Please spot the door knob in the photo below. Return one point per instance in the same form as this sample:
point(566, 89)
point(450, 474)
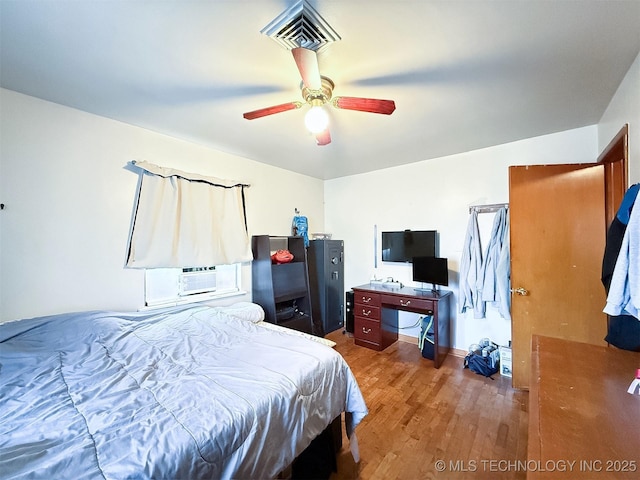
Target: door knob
point(520, 291)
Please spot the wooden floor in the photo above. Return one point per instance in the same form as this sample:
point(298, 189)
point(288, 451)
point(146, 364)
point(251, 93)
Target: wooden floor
point(426, 423)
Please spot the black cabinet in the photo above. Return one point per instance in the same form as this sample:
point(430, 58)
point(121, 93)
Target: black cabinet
point(282, 290)
point(326, 279)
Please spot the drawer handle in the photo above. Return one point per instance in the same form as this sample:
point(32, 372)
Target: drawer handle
point(367, 313)
point(366, 299)
point(366, 330)
point(405, 304)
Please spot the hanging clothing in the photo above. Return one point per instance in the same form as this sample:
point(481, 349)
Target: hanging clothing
point(615, 234)
point(486, 278)
point(623, 329)
point(624, 290)
point(489, 280)
point(300, 228)
point(471, 270)
point(503, 276)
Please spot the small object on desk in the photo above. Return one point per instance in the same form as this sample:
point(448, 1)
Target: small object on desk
point(391, 283)
point(635, 385)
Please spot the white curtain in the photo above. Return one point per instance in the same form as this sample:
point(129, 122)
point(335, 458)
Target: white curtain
point(187, 220)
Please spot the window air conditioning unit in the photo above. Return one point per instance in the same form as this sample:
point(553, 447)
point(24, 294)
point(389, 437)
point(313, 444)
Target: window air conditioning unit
point(197, 282)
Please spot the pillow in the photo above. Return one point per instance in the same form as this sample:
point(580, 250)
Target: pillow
point(248, 311)
point(254, 313)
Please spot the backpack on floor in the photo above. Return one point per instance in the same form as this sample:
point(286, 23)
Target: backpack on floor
point(486, 366)
point(483, 358)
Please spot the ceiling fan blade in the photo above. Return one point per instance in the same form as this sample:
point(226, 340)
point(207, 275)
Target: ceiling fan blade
point(323, 138)
point(263, 112)
point(371, 105)
point(307, 62)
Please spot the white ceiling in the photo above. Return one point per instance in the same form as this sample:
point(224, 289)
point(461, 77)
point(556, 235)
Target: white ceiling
point(464, 74)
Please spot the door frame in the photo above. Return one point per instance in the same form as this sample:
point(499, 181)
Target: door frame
point(615, 158)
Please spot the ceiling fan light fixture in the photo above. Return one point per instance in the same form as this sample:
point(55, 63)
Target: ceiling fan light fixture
point(316, 119)
point(316, 89)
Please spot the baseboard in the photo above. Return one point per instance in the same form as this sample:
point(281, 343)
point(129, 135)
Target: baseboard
point(456, 352)
point(408, 339)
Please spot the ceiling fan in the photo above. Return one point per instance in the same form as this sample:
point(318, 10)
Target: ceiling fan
point(317, 91)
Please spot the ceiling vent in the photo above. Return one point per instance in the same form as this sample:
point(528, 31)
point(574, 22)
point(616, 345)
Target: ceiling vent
point(301, 26)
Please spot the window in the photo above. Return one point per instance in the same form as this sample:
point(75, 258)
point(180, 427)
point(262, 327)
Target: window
point(175, 286)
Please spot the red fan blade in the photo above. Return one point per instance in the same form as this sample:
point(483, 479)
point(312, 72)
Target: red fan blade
point(323, 138)
point(371, 105)
point(263, 112)
point(307, 62)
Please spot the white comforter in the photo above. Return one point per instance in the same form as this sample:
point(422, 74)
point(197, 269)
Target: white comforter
point(184, 394)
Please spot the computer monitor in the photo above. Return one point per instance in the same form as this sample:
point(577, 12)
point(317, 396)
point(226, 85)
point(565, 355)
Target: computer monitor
point(433, 270)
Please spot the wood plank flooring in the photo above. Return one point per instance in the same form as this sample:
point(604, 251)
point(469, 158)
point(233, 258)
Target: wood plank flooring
point(426, 423)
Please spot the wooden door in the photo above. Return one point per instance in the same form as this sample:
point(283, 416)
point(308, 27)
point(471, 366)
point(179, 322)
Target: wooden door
point(557, 245)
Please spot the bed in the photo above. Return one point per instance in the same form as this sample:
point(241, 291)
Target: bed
point(183, 393)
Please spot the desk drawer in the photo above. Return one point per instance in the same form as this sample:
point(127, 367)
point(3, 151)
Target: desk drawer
point(366, 311)
point(407, 302)
point(366, 298)
point(367, 331)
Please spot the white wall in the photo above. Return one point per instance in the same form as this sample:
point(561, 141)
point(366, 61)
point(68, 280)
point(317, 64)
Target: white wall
point(436, 194)
point(624, 108)
point(61, 168)
point(68, 203)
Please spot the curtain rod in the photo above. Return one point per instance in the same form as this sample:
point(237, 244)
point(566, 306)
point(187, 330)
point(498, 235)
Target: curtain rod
point(196, 177)
point(488, 208)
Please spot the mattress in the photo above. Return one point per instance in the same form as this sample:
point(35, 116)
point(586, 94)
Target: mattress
point(191, 392)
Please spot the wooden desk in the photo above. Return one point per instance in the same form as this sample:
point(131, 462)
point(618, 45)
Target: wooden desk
point(579, 410)
point(376, 316)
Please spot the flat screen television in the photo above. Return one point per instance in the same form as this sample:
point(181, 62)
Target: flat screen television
point(402, 246)
point(431, 270)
